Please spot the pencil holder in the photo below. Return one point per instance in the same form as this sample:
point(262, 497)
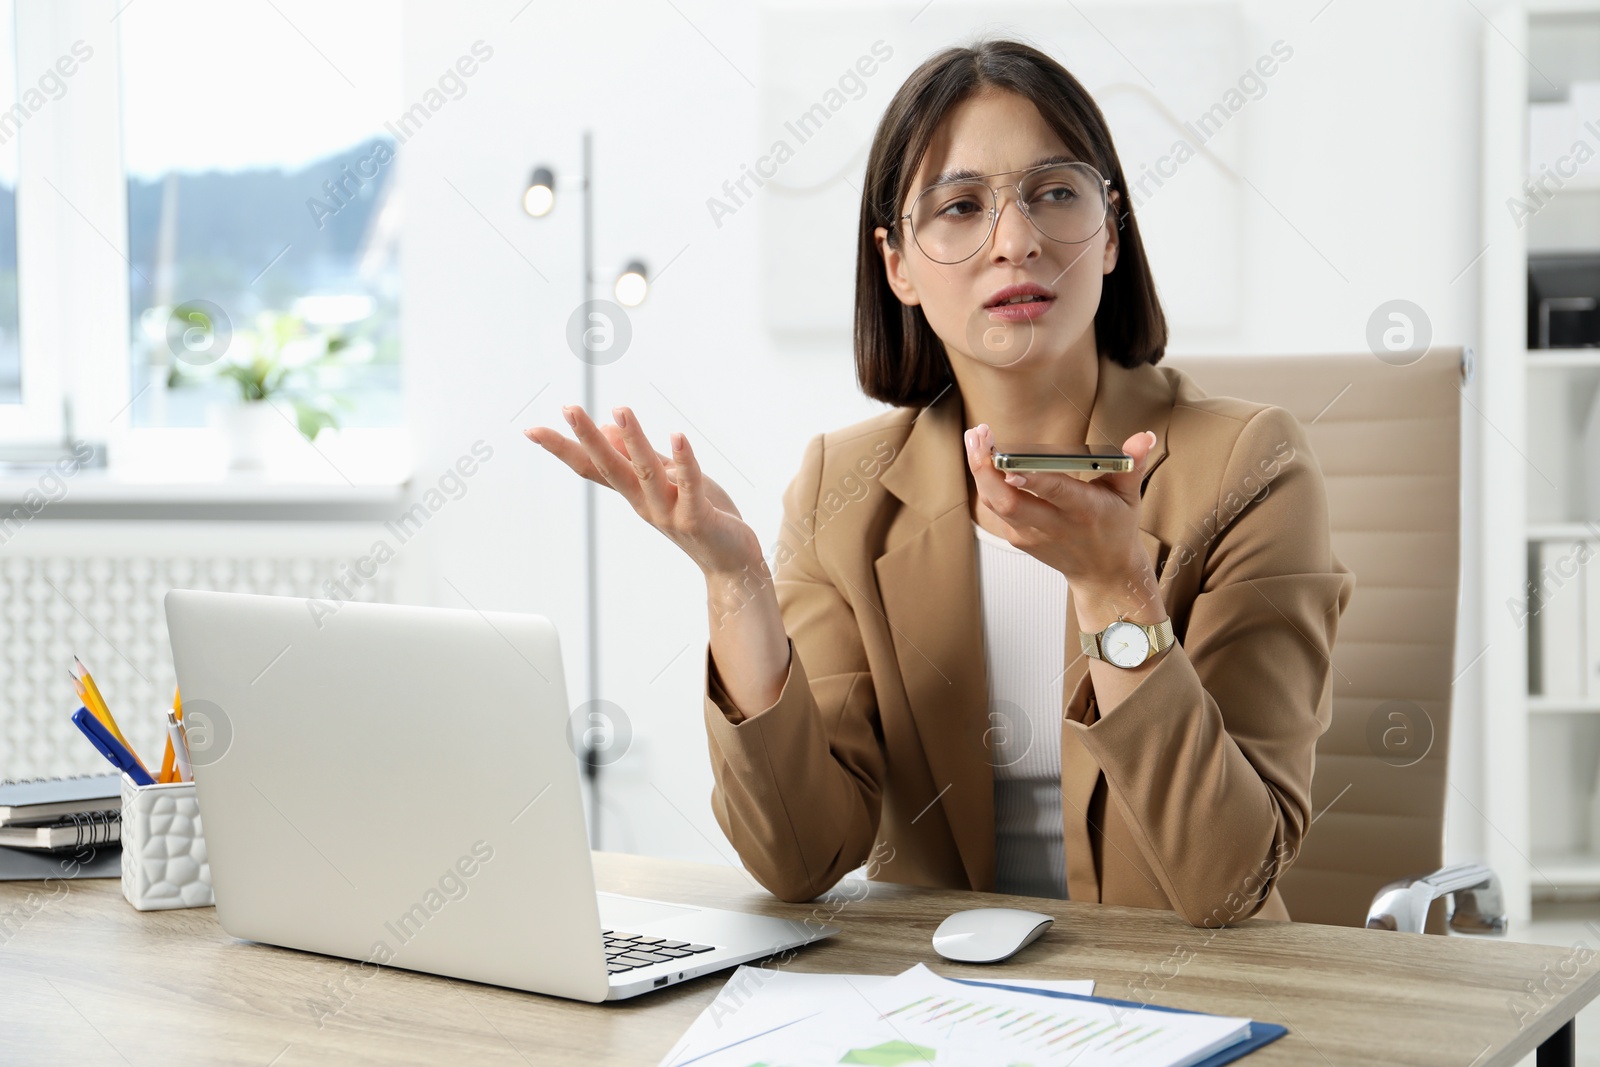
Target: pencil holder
point(164, 862)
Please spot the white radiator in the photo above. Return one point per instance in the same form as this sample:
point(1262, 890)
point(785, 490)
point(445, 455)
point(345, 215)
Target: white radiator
point(94, 589)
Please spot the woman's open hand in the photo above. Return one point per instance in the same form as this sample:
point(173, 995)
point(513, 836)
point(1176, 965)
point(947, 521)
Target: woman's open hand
point(1088, 529)
point(671, 493)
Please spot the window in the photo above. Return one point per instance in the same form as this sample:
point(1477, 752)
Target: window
point(261, 196)
point(10, 349)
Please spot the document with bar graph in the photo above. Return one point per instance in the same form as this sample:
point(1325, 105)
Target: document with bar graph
point(921, 1018)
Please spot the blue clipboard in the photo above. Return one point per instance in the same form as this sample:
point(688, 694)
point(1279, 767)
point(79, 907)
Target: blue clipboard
point(1260, 1033)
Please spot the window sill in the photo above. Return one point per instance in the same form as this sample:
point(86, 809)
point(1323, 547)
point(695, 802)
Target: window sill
point(369, 466)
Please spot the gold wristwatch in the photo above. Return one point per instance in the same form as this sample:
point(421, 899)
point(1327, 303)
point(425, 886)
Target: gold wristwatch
point(1127, 644)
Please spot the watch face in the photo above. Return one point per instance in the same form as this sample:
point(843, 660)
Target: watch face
point(1125, 644)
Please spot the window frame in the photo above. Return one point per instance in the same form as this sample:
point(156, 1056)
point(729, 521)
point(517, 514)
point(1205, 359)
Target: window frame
point(73, 260)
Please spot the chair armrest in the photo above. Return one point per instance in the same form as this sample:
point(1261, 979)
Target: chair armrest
point(1478, 907)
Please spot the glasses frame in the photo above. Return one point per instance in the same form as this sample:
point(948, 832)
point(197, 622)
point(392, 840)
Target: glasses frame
point(994, 205)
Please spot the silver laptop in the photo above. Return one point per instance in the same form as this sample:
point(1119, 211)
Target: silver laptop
point(395, 785)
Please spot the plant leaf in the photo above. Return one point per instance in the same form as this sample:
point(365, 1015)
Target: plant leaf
point(313, 419)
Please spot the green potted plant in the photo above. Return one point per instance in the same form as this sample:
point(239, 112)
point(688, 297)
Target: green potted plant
point(277, 359)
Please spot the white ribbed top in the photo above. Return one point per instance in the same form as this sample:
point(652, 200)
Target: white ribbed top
point(1024, 639)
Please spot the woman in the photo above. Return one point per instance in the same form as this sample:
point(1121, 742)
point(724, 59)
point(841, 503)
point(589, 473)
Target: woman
point(923, 676)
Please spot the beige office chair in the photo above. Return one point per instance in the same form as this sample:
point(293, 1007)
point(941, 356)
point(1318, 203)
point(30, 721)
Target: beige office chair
point(1388, 439)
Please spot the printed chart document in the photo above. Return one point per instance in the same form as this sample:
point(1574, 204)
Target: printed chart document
point(757, 999)
point(919, 1017)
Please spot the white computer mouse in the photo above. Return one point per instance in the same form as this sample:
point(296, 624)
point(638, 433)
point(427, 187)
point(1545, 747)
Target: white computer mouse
point(988, 935)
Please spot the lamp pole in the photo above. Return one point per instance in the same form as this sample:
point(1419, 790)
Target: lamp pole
point(591, 547)
point(538, 200)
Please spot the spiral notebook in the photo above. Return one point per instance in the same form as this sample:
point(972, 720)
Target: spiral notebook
point(72, 831)
point(42, 800)
point(25, 801)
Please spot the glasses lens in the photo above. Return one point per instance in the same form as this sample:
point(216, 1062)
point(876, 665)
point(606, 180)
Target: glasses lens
point(951, 220)
point(1067, 202)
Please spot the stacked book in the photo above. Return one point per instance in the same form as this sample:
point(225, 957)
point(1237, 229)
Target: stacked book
point(61, 814)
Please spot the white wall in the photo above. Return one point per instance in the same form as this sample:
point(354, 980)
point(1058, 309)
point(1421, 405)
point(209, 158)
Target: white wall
point(1361, 165)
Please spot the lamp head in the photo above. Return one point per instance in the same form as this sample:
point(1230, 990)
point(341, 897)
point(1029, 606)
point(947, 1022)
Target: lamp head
point(633, 284)
point(540, 196)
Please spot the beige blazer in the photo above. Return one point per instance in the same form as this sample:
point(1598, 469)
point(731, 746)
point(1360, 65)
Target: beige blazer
point(1194, 794)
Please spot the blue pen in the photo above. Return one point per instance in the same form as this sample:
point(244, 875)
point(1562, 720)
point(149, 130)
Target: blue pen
point(110, 747)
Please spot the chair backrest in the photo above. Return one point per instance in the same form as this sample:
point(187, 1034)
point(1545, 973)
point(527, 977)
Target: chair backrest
point(1388, 439)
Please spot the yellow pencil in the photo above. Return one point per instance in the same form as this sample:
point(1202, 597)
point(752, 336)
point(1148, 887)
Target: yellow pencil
point(90, 701)
point(97, 705)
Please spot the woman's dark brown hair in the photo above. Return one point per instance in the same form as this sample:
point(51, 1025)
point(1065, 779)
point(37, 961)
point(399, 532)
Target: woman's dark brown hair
point(899, 359)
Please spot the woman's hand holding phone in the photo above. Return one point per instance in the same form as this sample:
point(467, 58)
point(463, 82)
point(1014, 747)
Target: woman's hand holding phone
point(1086, 528)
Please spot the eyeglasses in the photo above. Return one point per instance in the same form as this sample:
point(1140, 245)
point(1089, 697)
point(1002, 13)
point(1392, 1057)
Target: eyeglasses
point(951, 221)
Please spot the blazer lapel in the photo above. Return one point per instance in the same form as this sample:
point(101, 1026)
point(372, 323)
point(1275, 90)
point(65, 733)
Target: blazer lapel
point(928, 585)
point(928, 582)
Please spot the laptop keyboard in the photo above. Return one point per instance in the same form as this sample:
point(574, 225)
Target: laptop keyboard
point(627, 952)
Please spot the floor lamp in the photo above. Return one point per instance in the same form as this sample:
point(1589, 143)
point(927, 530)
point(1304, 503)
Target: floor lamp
point(632, 283)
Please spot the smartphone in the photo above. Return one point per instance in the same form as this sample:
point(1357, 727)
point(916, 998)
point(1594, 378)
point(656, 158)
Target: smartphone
point(1061, 458)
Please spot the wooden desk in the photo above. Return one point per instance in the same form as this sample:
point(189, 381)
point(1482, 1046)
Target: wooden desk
point(87, 980)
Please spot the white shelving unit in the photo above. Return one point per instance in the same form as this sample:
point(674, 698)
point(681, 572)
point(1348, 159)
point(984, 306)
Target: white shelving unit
point(1542, 753)
point(1564, 359)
